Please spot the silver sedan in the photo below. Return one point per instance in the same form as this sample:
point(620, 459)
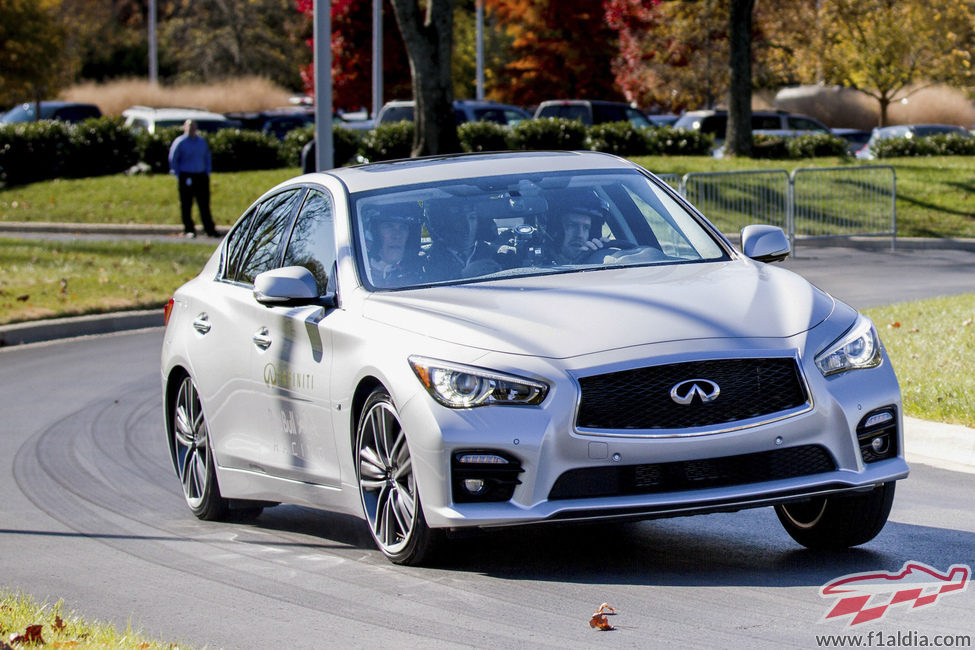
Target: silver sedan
point(498, 339)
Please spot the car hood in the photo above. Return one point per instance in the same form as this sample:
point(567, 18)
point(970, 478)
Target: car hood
point(571, 314)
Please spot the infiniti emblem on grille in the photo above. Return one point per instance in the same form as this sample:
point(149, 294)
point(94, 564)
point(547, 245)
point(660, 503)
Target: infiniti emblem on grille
point(685, 392)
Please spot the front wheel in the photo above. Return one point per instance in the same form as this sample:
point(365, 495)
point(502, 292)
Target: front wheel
point(837, 522)
point(387, 486)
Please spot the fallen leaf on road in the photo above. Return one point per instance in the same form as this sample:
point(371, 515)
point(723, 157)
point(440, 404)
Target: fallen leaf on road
point(598, 620)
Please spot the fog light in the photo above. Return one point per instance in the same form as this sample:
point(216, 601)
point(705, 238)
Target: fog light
point(474, 485)
point(877, 419)
point(879, 444)
point(481, 459)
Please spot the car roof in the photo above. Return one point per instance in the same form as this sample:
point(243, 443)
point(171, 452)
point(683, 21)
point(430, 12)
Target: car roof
point(594, 102)
point(363, 178)
point(172, 112)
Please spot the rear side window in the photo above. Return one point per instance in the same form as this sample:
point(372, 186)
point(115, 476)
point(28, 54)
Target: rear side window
point(601, 114)
point(716, 125)
point(804, 124)
point(259, 252)
point(312, 242)
point(766, 122)
point(567, 112)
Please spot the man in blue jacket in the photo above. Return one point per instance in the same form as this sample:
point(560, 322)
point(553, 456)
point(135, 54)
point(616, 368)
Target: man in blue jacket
point(189, 161)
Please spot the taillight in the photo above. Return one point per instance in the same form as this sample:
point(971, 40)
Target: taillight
point(168, 311)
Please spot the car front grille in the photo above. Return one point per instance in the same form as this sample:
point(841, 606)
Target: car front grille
point(590, 482)
point(641, 398)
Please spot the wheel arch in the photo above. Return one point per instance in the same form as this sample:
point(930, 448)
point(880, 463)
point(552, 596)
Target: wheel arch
point(176, 376)
point(363, 390)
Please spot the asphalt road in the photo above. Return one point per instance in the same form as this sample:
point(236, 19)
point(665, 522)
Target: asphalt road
point(870, 277)
point(92, 513)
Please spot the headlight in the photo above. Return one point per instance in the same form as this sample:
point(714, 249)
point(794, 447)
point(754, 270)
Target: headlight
point(858, 348)
point(458, 386)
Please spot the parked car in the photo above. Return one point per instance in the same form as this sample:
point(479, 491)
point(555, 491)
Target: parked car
point(598, 351)
point(465, 110)
point(668, 119)
point(867, 152)
point(151, 119)
point(71, 112)
point(592, 111)
point(277, 122)
point(715, 122)
point(855, 137)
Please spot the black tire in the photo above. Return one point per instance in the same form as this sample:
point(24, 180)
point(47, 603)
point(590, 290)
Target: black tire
point(838, 522)
point(193, 457)
point(387, 487)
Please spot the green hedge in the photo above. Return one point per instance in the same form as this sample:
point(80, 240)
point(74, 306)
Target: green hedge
point(43, 150)
point(814, 145)
point(944, 144)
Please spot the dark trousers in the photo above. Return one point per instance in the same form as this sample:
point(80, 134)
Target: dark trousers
point(195, 186)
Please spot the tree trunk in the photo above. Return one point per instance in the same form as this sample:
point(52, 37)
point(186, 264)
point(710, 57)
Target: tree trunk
point(428, 41)
point(738, 138)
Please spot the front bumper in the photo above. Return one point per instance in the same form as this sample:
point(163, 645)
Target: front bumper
point(563, 473)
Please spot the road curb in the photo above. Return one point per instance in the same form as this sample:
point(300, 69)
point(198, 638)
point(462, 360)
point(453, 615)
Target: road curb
point(75, 326)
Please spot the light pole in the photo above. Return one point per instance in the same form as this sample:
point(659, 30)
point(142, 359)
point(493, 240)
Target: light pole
point(323, 85)
point(377, 57)
point(480, 48)
point(153, 53)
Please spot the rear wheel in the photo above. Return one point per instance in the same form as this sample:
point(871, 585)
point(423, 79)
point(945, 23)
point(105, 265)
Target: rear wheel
point(837, 522)
point(194, 460)
point(387, 486)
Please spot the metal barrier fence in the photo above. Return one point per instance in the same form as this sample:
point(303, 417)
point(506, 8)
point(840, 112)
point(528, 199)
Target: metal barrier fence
point(811, 203)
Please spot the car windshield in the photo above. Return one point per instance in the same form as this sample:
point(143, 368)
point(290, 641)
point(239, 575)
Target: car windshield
point(497, 227)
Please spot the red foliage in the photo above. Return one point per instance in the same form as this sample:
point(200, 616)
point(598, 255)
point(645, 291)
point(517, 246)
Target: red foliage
point(352, 54)
point(560, 50)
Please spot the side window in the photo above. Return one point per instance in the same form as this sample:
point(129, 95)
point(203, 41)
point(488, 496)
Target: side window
point(803, 124)
point(259, 253)
point(716, 125)
point(312, 242)
point(235, 245)
point(766, 122)
point(601, 114)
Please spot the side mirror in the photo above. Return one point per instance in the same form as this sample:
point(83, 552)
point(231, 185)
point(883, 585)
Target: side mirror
point(765, 243)
point(289, 286)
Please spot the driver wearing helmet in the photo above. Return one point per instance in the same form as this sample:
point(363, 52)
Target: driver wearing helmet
point(393, 244)
point(573, 225)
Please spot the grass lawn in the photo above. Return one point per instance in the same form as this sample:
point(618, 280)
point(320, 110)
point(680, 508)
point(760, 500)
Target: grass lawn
point(934, 195)
point(25, 623)
point(932, 346)
point(44, 279)
point(121, 199)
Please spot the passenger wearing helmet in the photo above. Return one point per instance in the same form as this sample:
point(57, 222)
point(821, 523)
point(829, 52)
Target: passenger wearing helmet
point(393, 245)
point(461, 246)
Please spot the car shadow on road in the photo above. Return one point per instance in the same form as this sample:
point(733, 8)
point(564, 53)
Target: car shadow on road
point(740, 549)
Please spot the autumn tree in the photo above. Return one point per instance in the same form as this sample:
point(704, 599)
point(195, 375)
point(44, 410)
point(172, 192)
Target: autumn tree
point(428, 35)
point(33, 61)
point(215, 39)
point(497, 54)
point(672, 56)
point(558, 50)
point(889, 49)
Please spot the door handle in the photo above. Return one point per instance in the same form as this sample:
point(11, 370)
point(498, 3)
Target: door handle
point(262, 338)
point(202, 323)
